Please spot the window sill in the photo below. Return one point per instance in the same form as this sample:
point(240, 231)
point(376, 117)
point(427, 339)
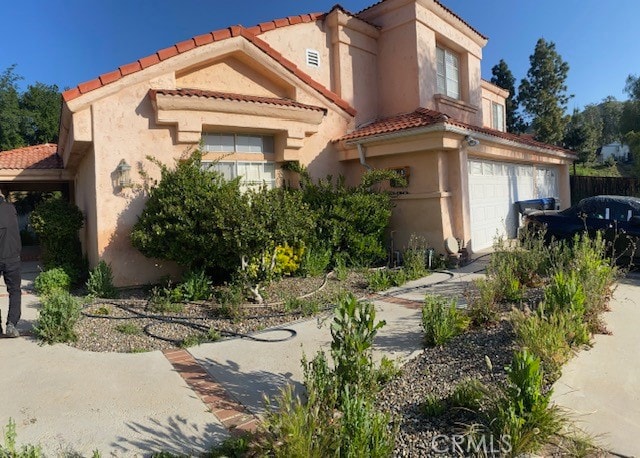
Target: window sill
point(442, 99)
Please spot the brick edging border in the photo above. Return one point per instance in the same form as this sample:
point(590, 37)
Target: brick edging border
point(232, 414)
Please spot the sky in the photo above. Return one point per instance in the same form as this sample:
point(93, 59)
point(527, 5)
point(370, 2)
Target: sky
point(67, 42)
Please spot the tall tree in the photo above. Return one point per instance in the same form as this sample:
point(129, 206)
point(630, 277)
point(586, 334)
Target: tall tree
point(40, 106)
point(502, 77)
point(543, 93)
point(582, 137)
point(632, 87)
point(611, 111)
point(10, 113)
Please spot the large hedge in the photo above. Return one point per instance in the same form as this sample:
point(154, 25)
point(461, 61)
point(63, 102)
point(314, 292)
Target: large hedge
point(199, 220)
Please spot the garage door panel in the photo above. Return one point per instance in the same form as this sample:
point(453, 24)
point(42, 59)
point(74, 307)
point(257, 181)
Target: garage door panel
point(494, 187)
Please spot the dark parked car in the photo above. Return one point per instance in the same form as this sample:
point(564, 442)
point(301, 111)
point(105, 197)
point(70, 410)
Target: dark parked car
point(618, 217)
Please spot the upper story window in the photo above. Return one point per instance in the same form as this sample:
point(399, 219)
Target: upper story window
point(497, 116)
point(448, 69)
point(237, 143)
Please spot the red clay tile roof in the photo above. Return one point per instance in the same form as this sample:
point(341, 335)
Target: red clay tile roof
point(424, 117)
point(439, 4)
point(31, 157)
point(249, 34)
point(232, 97)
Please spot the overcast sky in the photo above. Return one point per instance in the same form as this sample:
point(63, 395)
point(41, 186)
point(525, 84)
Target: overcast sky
point(66, 42)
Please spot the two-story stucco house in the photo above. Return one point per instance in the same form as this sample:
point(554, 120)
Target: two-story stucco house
point(397, 85)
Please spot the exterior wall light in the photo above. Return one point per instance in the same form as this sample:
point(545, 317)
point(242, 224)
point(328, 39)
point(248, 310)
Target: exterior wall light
point(123, 177)
point(471, 141)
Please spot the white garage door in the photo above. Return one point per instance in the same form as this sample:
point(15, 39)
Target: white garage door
point(494, 187)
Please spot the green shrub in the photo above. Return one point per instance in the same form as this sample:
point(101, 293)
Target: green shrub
point(305, 306)
point(414, 258)
point(398, 277)
point(433, 406)
point(523, 411)
point(56, 221)
point(233, 447)
point(340, 268)
point(441, 320)
point(378, 280)
point(129, 329)
point(482, 306)
point(387, 370)
point(565, 294)
point(349, 220)
point(468, 394)
point(100, 282)
point(364, 430)
point(353, 330)
point(59, 313)
point(52, 280)
point(11, 449)
point(166, 298)
point(315, 261)
point(338, 417)
point(196, 286)
point(550, 337)
point(200, 220)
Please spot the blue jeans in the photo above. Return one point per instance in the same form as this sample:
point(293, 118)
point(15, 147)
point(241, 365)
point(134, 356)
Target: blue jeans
point(10, 270)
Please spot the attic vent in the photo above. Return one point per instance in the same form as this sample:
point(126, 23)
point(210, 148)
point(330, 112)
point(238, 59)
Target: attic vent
point(313, 58)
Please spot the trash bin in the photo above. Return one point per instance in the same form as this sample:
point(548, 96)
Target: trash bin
point(525, 206)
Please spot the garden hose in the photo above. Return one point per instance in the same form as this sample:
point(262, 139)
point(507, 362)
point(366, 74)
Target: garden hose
point(189, 322)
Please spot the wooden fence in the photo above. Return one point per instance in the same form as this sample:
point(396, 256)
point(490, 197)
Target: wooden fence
point(583, 186)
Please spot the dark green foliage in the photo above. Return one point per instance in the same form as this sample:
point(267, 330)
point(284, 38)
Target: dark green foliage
point(236, 446)
point(10, 113)
point(502, 77)
point(100, 282)
point(351, 221)
point(189, 217)
point(59, 313)
point(582, 137)
point(543, 93)
point(196, 286)
point(201, 221)
point(52, 280)
point(56, 221)
point(40, 106)
point(27, 118)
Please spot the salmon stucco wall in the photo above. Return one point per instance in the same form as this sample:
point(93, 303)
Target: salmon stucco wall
point(85, 199)
point(125, 127)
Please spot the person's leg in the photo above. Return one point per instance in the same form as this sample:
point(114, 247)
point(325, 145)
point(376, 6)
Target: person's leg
point(12, 278)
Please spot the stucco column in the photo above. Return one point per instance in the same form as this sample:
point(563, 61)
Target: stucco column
point(564, 186)
point(459, 188)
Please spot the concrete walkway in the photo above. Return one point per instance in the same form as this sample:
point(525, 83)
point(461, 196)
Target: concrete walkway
point(601, 387)
point(132, 404)
point(71, 401)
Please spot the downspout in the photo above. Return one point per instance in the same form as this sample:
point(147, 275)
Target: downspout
point(363, 160)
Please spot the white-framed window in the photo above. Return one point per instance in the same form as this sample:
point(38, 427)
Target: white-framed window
point(253, 174)
point(237, 143)
point(497, 116)
point(448, 72)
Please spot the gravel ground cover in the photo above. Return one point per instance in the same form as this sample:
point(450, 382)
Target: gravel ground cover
point(436, 372)
point(130, 324)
